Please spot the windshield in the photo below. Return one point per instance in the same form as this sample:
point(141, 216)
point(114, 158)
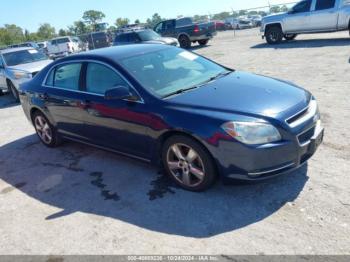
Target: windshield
point(168, 71)
point(23, 57)
point(148, 35)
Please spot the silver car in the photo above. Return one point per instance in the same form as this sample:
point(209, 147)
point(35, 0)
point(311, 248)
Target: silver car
point(18, 65)
point(307, 16)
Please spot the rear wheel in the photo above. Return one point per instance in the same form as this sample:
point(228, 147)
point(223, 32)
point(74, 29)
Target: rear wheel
point(274, 35)
point(13, 91)
point(290, 37)
point(45, 130)
point(185, 42)
point(188, 164)
point(203, 42)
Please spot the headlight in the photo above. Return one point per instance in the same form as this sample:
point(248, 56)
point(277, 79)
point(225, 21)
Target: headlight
point(252, 133)
point(18, 74)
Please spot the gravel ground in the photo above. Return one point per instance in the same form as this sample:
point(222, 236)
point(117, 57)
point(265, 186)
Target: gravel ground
point(80, 200)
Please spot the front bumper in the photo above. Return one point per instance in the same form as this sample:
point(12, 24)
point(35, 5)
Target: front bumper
point(266, 161)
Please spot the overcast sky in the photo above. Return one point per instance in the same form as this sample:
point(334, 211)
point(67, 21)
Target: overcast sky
point(30, 13)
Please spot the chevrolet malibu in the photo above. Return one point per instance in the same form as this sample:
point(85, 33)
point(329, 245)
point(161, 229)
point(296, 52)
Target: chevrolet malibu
point(167, 106)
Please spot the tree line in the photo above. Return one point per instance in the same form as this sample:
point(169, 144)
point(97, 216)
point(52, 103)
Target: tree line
point(91, 21)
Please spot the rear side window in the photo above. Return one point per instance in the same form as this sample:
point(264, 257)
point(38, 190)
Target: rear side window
point(63, 40)
point(65, 76)
point(324, 4)
point(183, 22)
point(100, 78)
point(303, 6)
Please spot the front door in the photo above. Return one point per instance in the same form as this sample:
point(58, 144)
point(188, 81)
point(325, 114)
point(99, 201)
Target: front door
point(298, 18)
point(117, 124)
point(324, 16)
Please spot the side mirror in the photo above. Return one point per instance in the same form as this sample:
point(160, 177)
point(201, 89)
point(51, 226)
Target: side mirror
point(119, 93)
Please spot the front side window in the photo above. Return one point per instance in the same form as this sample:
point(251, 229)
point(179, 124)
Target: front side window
point(24, 57)
point(324, 4)
point(169, 70)
point(100, 78)
point(65, 76)
point(303, 6)
point(159, 27)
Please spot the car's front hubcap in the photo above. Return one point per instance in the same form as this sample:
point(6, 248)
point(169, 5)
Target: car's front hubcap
point(185, 165)
point(43, 129)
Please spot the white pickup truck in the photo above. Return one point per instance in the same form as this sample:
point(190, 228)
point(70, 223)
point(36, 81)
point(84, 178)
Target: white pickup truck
point(63, 46)
point(307, 16)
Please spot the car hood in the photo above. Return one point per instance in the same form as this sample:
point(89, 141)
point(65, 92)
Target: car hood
point(274, 17)
point(163, 40)
point(31, 67)
point(248, 94)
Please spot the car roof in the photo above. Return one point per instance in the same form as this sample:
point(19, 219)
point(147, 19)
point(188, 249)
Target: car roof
point(11, 50)
point(116, 53)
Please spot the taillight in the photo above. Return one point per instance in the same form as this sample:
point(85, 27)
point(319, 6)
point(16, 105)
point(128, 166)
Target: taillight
point(196, 29)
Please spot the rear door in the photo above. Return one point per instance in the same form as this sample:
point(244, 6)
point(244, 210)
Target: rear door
point(298, 20)
point(117, 124)
point(62, 98)
point(324, 15)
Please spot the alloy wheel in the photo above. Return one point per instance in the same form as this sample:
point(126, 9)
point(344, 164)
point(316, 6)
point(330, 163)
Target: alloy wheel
point(185, 165)
point(43, 129)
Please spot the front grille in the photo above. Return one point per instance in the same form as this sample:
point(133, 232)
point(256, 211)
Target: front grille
point(297, 116)
point(306, 136)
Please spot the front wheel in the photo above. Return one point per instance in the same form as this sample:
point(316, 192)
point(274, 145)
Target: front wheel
point(45, 130)
point(13, 91)
point(203, 42)
point(274, 35)
point(290, 37)
point(188, 164)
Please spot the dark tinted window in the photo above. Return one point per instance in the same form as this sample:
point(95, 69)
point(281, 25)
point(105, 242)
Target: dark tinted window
point(325, 4)
point(24, 57)
point(183, 22)
point(303, 6)
point(62, 40)
point(66, 76)
point(169, 24)
point(127, 37)
point(100, 78)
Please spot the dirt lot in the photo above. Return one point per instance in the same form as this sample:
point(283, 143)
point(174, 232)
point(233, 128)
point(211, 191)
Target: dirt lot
point(80, 200)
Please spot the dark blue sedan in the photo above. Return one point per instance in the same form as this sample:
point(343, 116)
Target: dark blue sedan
point(171, 107)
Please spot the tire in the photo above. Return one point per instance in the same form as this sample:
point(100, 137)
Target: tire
point(274, 35)
point(203, 42)
point(188, 164)
point(45, 130)
point(185, 42)
point(13, 91)
point(290, 37)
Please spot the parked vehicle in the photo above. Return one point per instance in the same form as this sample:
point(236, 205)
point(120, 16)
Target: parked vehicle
point(19, 65)
point(43, 47)
point(307, 16)
point(186, 31)
point(220, 25)
point(63, 46)
point(163, 104)
point(239, 23)
point(98, 40)
point(256, 20)
point(26, 44)
point(142, 36)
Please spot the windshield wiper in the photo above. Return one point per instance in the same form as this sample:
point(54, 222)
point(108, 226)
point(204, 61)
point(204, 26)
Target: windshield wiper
point(180, 91)
point(222, 74)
